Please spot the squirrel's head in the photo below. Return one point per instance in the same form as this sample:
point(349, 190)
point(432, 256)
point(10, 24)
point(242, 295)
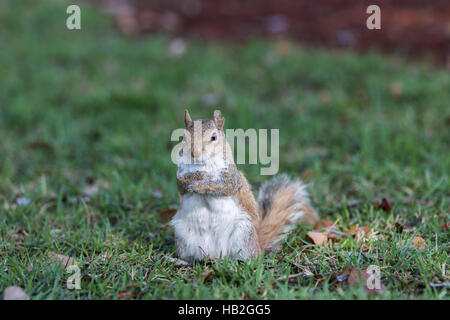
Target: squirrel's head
point(205, 139)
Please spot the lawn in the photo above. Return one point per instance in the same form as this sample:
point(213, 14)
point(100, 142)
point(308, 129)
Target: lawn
point(85, 123)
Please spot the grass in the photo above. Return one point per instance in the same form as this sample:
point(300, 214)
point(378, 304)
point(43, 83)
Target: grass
point(95, 108)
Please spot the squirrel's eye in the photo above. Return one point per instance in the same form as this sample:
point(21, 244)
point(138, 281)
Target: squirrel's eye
point(214, 137)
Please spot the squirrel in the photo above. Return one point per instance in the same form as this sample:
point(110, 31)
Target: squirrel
point(218, 214)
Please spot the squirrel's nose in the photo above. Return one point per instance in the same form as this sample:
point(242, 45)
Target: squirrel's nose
point(196, 153)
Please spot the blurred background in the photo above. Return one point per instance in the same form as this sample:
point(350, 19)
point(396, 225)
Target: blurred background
point(362, 112)
point(412, 27)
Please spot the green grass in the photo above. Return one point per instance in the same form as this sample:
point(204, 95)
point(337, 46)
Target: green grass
point(96, 107)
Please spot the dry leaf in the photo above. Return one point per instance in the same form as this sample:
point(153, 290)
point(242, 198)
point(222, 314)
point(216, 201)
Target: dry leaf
point(419, 243)
point(15, 293)
point(330, 229)
point(167, 213)
point(352, 229)
point(416, 242)
point(66, 261)
point(325, 224)
point(384, 204)
point(318, 237)
point(367, 279)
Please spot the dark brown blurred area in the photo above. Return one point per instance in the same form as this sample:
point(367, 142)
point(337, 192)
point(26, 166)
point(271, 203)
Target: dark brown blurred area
point(415, 27)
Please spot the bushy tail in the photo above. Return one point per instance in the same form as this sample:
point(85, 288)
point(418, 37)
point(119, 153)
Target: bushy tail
point(283, 203)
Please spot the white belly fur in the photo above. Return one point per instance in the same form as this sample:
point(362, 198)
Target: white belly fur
point(212, 226)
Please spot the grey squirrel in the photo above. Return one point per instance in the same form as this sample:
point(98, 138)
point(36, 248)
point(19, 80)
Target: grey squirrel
point(218, 215)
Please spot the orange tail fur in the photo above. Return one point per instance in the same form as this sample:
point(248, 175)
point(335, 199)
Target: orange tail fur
point(283, 203)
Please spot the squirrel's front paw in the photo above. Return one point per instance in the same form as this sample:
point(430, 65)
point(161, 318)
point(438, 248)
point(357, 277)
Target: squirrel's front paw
point(198, 186)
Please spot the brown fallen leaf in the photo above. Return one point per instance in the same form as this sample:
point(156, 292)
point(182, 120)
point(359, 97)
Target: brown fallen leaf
point(167, 213)
point(318, 237)
point(362, 233)
point(385, 204)
point(330, 228)
point(419, 243)
point(66, 261)
point(352, 229)
point(15, 293)
point(325, 224)
point(367, 279)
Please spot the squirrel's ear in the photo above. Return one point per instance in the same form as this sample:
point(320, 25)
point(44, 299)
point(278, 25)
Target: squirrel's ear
point(187, 118)
point(218, 120)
